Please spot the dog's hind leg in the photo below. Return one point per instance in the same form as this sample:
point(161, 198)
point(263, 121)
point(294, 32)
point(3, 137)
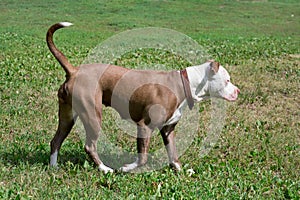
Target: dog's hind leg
point(66, 122)
point(92, 124)
point(168, 135)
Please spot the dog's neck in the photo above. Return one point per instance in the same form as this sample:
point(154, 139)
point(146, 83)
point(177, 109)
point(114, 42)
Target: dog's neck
point(199, 88)
point(198, 81)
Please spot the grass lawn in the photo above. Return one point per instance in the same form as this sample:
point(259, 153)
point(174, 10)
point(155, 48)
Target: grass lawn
point(257, 155)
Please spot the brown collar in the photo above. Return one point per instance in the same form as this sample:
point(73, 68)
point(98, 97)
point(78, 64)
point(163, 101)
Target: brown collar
point(186, 87)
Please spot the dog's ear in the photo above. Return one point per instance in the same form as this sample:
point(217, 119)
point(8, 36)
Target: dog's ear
point(215, 67)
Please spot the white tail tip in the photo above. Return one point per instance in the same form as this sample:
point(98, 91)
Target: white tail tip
point(65, 24)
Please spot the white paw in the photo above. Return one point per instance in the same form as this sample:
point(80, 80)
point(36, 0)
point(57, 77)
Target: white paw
point(176, 165)
point(129, 167)
point(53, 159)
point(105, 169)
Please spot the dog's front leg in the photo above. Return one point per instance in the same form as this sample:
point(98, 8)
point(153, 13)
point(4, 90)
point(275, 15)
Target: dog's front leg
point(168, 135)
point(143, 144)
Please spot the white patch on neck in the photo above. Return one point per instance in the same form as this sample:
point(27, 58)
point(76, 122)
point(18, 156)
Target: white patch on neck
point(177, 114)
point(198, 81)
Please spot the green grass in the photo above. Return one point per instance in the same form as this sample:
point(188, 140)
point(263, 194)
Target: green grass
point(257, 155)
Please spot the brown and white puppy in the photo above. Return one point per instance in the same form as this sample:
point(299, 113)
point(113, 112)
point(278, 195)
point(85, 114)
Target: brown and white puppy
point(152, 99)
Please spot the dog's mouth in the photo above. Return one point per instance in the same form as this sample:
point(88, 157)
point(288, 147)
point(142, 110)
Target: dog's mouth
point(233, 96)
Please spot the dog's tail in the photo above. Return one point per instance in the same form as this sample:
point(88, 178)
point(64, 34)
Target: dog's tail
point(68, 67)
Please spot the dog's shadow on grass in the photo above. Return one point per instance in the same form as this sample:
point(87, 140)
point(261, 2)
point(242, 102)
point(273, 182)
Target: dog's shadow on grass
point(39, 156)
point(17, 156)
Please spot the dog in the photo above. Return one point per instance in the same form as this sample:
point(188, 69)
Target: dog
point(151, 99)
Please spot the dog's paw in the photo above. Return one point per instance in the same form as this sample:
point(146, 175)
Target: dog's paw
point(129, 167)
point(176, 166)
point(105, 169)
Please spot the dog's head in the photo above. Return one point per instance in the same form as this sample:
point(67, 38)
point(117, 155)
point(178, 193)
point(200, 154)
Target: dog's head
point(219, 83)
